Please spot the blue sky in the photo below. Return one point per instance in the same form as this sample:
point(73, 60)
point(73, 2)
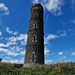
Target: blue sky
point(59, 29)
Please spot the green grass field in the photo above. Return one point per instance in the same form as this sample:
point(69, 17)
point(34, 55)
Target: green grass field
point(53, 69)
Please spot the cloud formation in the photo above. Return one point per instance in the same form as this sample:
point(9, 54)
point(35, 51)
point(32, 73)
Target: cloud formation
point(49, 37)
point(9, 60)
point(46, 51)
point(60, 53)
point(4, 9)
point(73, 5)
point(59, 34)
point(21, 37)
point(8, 52)
point(73, 21)
point(48, 61)
point(35, 1)
point(53, 6)
point(73, 53)
point(0, 33)
point(62, 33)
point(11, 32)
point(7, 44)
point(13, 45)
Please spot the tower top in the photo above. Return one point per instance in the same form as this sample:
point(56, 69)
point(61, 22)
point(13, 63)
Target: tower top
point(37, 7)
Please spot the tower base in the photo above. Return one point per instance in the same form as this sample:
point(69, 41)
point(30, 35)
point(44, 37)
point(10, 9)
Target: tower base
point(28, 65)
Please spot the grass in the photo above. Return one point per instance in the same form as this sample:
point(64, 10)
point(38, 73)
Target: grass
point(53, 69)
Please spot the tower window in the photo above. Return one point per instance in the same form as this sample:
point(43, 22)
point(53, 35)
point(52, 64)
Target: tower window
point(35, 25)
point(35, 13)
point(34, 39)
point(33, 57)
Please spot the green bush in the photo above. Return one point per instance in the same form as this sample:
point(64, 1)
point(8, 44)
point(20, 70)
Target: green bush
point(54, 69)
point(0, 59)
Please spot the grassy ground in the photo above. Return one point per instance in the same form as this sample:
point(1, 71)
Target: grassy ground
point(53, 69)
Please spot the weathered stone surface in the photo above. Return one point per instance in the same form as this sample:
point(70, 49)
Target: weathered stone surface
point(35, 41)
point(28, 65)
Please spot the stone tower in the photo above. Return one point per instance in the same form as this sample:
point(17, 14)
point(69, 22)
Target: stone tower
point(35, 41)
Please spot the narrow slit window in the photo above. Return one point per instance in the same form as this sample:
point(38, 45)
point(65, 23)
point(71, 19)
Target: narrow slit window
point(35, 25)
point(33, 57)
point(34, 39)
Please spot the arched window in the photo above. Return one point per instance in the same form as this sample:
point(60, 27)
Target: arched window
point(33, 57)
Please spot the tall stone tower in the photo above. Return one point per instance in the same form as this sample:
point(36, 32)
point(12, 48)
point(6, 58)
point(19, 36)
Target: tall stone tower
point(35, 42)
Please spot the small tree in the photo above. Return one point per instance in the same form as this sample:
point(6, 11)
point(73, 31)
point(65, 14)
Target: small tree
point(0, 59)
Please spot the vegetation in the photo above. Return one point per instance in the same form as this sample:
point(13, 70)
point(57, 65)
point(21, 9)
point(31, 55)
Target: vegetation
point(53, 69)
point(0, 59)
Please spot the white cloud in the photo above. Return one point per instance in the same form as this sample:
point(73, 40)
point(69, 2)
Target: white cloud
point(3, 45)
point(11, 61)
point(11, 32)
point(35, 1)
point(11, 43)
point(7, 57)
point(46, 51)
point(73, 1)
point(8, 44)
point(64, 57)
point(49, 37)
point(0, 33)
point(48, 61)
point(22, 60)
point(73, 5)
point(73, 21)
point(73, 53)
point(4, 8)
point(22, 38)
point(8, 30)
point(12, 53)
point(53, 6)
point(60, 53)
point(10, 47)
point(8, 52)
point(15, 33)
point(15, 48)
point(64, 33)
point(12, 38)
point(22, 52)
point(14, 61)
point(3, 50)
point(8, 60)
point(61, 33)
